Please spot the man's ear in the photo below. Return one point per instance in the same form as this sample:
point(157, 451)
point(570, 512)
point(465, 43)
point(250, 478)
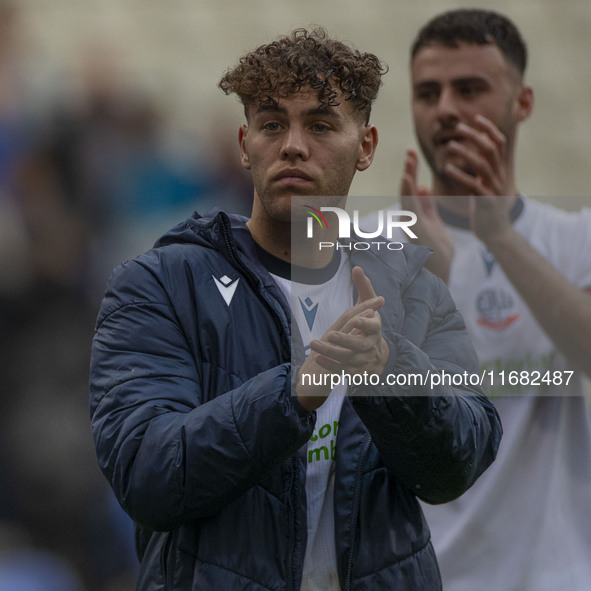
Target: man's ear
point(367, 148)
point(525, 103)
point(242, 132)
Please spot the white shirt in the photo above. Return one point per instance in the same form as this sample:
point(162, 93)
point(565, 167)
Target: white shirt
point(526, 523)
point(315, 307)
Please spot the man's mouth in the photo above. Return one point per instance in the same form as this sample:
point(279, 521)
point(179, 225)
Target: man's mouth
point(443, 138)
point(292, 176)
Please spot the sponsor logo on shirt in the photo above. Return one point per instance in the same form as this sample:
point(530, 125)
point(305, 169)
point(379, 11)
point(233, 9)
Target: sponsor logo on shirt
point(324, 450)
point(496, 309)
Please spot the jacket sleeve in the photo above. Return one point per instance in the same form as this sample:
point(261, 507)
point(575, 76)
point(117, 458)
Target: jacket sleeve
point(437, 435)
point(170, 453)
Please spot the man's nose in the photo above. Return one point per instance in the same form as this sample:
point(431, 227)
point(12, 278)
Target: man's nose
point(294, 144)
point(447, 107)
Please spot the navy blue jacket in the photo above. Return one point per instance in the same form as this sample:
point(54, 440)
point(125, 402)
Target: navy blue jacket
point(202, 441)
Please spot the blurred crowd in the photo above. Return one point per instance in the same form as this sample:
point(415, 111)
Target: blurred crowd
point(85, 182)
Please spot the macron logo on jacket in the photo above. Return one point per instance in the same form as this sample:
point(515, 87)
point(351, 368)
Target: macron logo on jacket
point(226, 287)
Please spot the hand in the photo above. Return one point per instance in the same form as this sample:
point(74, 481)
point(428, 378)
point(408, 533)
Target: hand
point(409, 184)
point(353, 344)
point(484, 155)
point(492, 191)
point(430, 229)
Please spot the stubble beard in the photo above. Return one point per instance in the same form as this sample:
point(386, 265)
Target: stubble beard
point(284, 206)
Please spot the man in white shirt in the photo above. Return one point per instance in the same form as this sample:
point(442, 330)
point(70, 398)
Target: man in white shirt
point(520, 273)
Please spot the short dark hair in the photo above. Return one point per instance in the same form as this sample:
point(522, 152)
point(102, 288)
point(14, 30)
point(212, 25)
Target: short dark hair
point(474, 26)
point(307, 58)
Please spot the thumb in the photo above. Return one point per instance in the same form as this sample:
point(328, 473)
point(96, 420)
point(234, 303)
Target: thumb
point(427, 201)
point(362, 284)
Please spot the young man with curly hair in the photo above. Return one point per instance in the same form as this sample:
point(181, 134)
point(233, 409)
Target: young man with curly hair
point(239, 473)
point(520, 273)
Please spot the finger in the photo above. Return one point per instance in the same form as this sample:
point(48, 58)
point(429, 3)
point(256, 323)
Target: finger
point(371, 304)
point(486, 145)
point(363, 285)
point(487, 203)
point(471, 209)
point(329, 364)
point(329, 351)
point(473, 184)
point(353, 327)
point(492, 130)
point(368, 322)
point(428, 205)
point(353, 343)
point(408, 183)
point(353, 324)
point(480, 166)
point(357, 335)
point(409, 202)
point(423, 191)
point(343, 358)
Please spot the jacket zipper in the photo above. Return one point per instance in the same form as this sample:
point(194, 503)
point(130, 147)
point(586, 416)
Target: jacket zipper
point(355, 515)
point(356, 498)
point(292, 567)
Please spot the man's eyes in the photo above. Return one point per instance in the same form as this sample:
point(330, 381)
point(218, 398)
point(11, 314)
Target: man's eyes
point(469, 90)
point(274, 126)
point(431, 95)
point(427, 94)
point(271, 126)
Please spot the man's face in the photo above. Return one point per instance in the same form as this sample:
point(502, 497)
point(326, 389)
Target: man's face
point(296, 146)
point(453, 85)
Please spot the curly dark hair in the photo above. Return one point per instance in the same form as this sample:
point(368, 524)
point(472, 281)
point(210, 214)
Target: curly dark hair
point(306, 59)
point(482, 27)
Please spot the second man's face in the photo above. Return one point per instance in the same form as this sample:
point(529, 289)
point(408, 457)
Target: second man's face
point(451, 86)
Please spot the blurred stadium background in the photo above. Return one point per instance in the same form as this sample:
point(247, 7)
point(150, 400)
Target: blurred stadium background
point(112, 129)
